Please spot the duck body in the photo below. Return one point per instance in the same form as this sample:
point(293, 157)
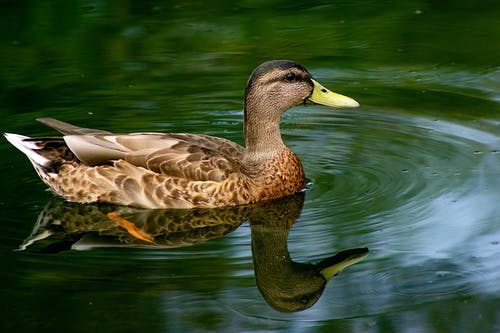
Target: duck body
point(169, 171)
point(155, 170)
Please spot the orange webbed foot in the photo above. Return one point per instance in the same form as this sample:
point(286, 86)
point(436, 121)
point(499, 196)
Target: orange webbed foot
point(131, 227)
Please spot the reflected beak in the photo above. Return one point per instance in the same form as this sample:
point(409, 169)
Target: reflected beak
point(334, 265)
point(321, 95)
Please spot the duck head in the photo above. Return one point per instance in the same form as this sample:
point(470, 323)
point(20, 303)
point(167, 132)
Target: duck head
point(274, 87)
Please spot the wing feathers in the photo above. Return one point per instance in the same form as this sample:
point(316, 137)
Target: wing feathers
point(189, 156)
point(94, 150)
point(68, 129)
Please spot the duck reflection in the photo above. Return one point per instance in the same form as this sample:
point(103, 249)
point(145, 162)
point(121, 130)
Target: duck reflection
point(64, 225)
point(286, 285)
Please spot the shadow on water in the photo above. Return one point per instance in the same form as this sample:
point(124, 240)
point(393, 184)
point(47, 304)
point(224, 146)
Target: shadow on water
point(287, 286)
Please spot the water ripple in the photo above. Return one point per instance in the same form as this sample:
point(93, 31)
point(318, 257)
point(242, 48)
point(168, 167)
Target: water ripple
point(418, 191)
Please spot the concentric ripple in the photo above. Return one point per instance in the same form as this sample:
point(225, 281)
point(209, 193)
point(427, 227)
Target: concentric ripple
point(368, 164)
point(419, 192)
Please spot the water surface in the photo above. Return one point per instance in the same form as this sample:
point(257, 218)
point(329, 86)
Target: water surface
point(413, 174)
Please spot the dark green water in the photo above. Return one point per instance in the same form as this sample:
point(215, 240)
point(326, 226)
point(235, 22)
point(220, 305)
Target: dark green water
point(413, 174)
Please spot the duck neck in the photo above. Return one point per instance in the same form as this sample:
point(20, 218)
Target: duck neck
point(262, 131)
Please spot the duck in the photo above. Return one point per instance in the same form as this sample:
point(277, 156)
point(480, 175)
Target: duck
point(184, 170)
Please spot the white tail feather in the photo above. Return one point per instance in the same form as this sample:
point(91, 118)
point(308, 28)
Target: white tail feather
point(29, 148)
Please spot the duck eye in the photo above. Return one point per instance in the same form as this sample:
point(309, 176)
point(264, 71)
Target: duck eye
point(290, 77)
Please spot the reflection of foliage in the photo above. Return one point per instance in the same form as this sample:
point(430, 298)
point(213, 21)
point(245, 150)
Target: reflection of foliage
point(63, 53)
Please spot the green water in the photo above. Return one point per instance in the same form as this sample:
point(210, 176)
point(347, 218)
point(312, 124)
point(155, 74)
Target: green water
point(413, 174)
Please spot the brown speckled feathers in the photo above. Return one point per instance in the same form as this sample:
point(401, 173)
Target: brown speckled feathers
point(154, 170)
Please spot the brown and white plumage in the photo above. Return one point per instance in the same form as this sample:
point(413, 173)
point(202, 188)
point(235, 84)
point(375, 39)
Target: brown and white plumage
point(154, 170)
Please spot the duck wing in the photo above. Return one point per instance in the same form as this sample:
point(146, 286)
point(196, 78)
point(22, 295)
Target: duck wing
point(190, 156)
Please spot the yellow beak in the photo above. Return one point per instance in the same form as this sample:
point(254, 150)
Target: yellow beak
point(321, 95)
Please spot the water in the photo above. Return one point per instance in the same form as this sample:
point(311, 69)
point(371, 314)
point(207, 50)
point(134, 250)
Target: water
point(413, 174)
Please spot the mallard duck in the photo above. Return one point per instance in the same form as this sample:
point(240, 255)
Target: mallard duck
point(154, 170)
